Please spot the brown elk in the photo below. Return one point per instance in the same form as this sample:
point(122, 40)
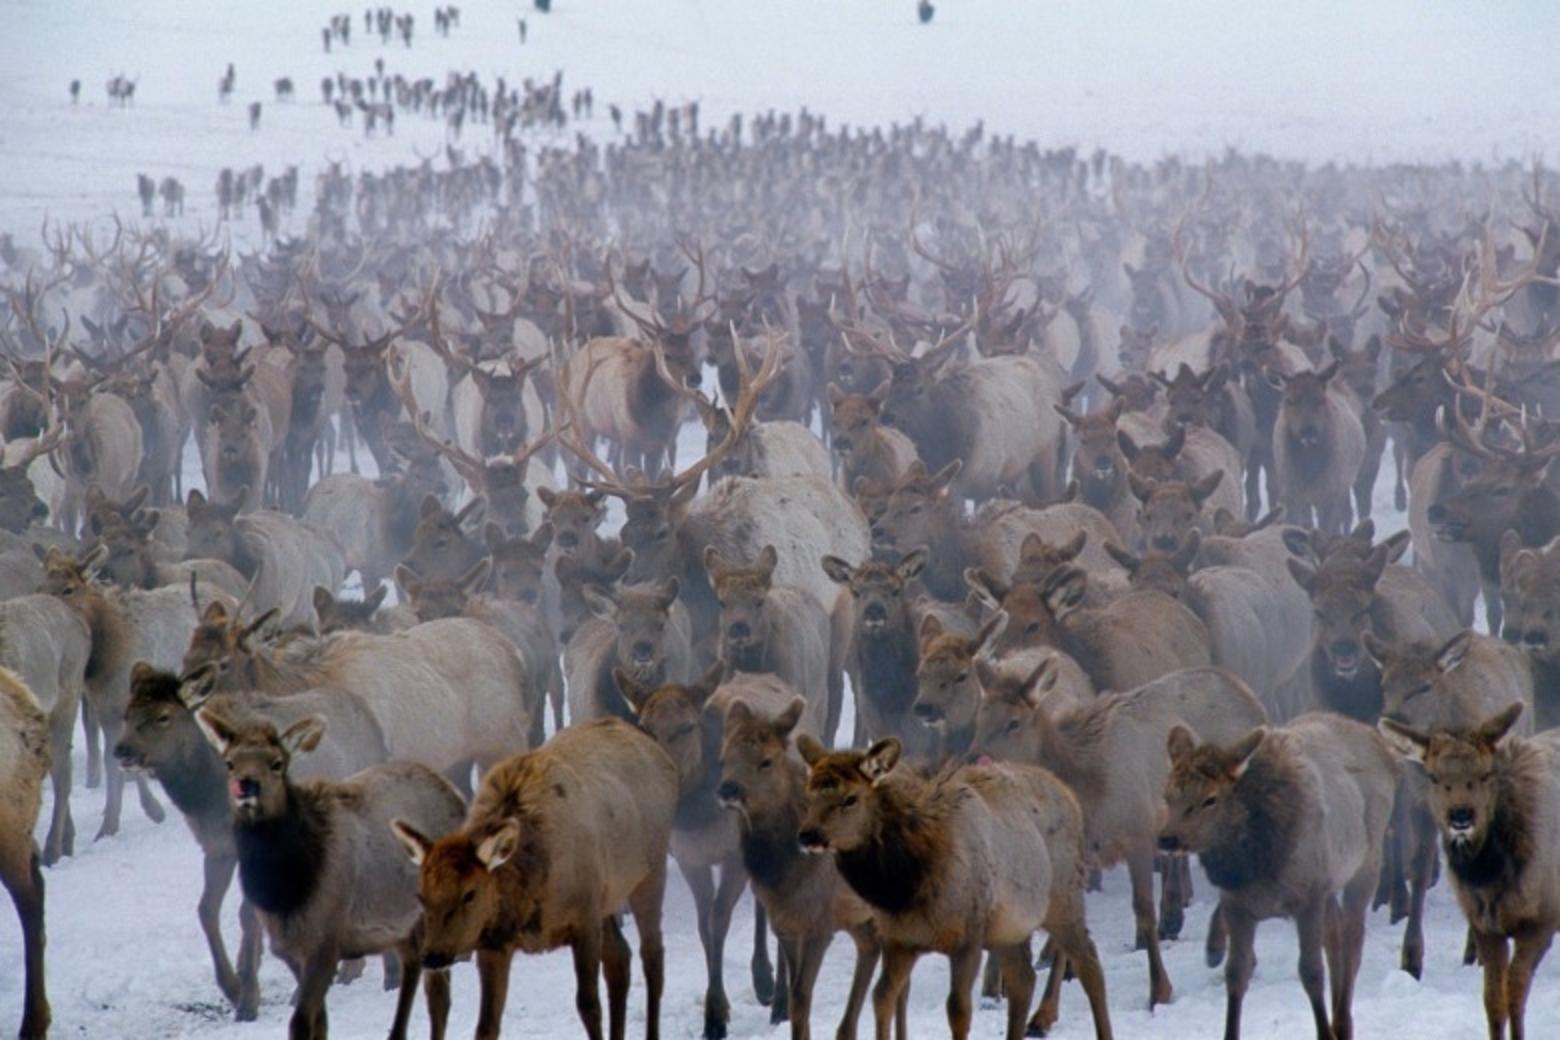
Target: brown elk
point(1287, 822)
point(635, 630)
point(24, 762)
point(1530, 588)
point(318, 862)
point(1100, 467)
point(1358, 373)
point(686, 721)
point(763, 781)
point(1110, 751)
point(866, 448)
point(1171, 510)
point(1493, 796)
point(930, 856)
point(162, 736)
point(531, 871)
point(1318, 448)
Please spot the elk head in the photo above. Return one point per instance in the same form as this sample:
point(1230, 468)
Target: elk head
point(877, 590)
point(1171, 509)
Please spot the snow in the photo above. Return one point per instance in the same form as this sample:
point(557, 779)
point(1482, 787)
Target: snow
point(1395, 80)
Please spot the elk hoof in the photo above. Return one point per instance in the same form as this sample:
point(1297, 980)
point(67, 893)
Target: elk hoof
point(1170, 924)
point(107, 830)
point(1413, 963)
point(714, 1029)
point(1400, 498)
point(780, 1010)
point(764, 985)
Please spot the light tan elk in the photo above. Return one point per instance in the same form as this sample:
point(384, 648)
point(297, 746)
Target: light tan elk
point(866, 448)
point(640, 630)
point(1530, 587)
point(532, 871)
point(284, 558)
point(1111, 752)
point(983, 857)
point(1318, 449)
point(161, 736)
point(1495, 798)
point(318, 861)
point(24, 762)
point(1287, 822)
point(763, 781)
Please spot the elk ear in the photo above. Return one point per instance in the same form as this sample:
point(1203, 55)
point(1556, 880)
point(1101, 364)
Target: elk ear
point(634, 692)
point(835, 395)
point(837, 569)
point(880, 759)
point(140, 672)
point(1454, 651)
point(786, 721)
point(912, 563)
point(1304, 575)
point(714, 563)
point(666, 593)
point(738, 713)
point(1070, 550)
point(987, 589)
point(1141, 487)
point(987, 675)
point(323, 600)
point(1275, 378)
point(1223, 520)
point(600, 601)
point(1241, 751)
point(945, 476)
point(1064, 591)
point(768, 560)
point(984, 636)
point(214, 613)
point(1041, 681)
point(218, 732)
point(430, 507)
point(1375, 565)
point(1180, 743)
point(931, 628)
point(499, 847)
point(1121, 556)
point(1512, 554)
point(1298, 542)
point(879, 394)
point(417, 846)
point(376, 598)
point(1069, 416)
point(1206, 487)
point(1127, 445)
point(1493, 729)
point(548, 496)
point(1409, 743)
point(477, 576)
point(303, 735)
point(708, 683)
point(542, 537)
point(1378, 649)
point(1326, 374)
point(811, 750)
point(1186, 555)
point(408, 580)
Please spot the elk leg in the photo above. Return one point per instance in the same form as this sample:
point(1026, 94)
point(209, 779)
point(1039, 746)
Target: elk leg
point(218, 878)
point(867, 951)
point(1218, 938)
point(733, 879)
point(149, 804)
point(1421, 864)
point(314, 979)
point(806, 957)
point(897, 964)
point(587, 992)
point(113, 801)
point(436, 992)
point(1399, 485)
point(785, 970)
point(250, 947)
point(493, 971)
point(1238, 969)
point(991, 984)
point(646, 902)
point(1067, 924)
point(21, 873)
point(1018, 978)
point(1531, 945)
point(411, 970)
point(390, 967)
point(617, 967)
point(1493, 953)
point(1172, 899)
point(62, 829)
point(93, 738)
point(1140, 869)
point(763, 972)
point(1049, 1008)
point(963, 967)
point(1351, 946)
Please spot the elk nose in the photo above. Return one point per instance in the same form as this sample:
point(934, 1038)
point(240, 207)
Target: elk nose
point(1460, 818)
point(811, 840)
point(122, 751)
point(1344, 648)
point(247, 787)
point(875, 612)
point(643, 651)
point(1536, 637)
point(528, 597)
point(926, 712)
point(1511, 635)
point(1437, 514)
point(1169, 843)
point(729, 791)
point(695, 380)
point(1165, 542)
point(568, 540)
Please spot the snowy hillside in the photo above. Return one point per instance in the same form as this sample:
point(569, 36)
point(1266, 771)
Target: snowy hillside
point(1401, 80)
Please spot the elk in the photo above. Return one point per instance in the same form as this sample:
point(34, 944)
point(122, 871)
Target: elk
point(138, 558)
point(284, 558)
point(930, 856)
point(686, 721)
point(1130, 641)
point(1318, 448)
point(762, 782)
point(776, 448)
point(161, 736)
point(1109, 751)
point(455, 669)
point(1490, 795)
point(522, 624)
point(318, 861)
point(1100, 467)
point(922, 510)
point(1287, 822)
point(1357, 379)
point(635, 631)
point(24, 762)
point(533, 871)
point(46, 645)
point(780, 630)
point(865, 447)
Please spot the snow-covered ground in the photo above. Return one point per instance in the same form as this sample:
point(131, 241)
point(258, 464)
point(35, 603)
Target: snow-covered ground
point(1399, 80)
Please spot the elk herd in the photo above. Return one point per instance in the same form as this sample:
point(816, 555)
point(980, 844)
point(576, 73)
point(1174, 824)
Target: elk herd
point(904, 526)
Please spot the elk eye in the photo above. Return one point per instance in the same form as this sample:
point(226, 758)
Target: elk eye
point(915, 510)
point(1420, 691)
point(766, 763)
point(1012, 726)
point(962, 677)
point(278, 766)
point(164, 719)
point(1210, 801)
point(1033, 628)
point(469, 898)
point(682, 731)
point(850, 801)
point(229, 766)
